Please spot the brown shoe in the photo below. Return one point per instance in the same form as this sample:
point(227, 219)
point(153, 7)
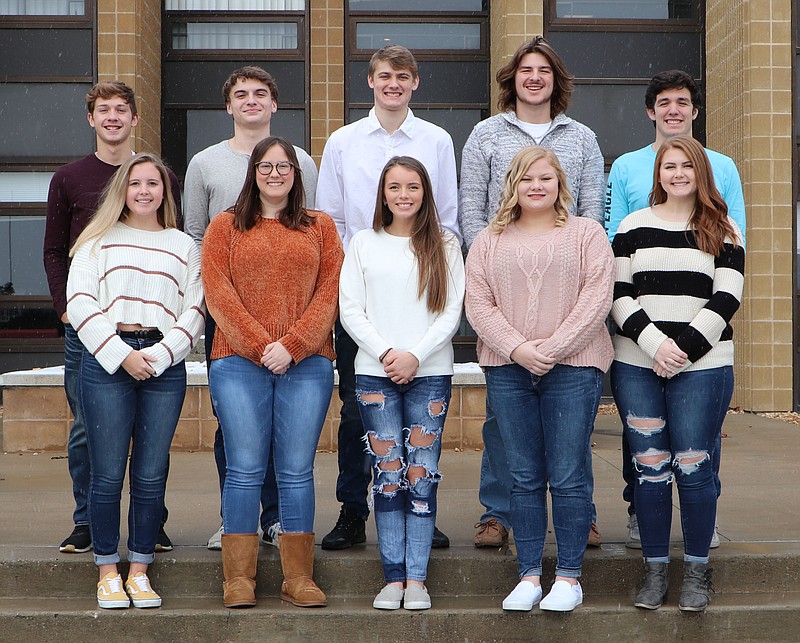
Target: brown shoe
point(297, 562)
point(239, 561)
point(595, 539)
point(491, 533)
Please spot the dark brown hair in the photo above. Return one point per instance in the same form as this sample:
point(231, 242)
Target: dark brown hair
point(709, 220)
point(562, 79)
point(397, 56)
point(247, 209)
point(426, 236)
point(106, 89)
point(250, 72)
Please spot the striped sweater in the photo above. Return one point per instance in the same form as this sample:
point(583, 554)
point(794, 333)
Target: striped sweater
point(666, 287)
point(133, 276)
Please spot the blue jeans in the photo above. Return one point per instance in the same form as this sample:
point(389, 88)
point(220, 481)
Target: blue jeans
point(117, 409)
point(404, 424)
point(546, 424)
point(262, 412)
point(354, 465)
point(77, 451)
point(494, 491)
point(672, 427)
point(269, 490)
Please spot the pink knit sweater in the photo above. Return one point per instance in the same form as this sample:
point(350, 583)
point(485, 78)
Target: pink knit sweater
point(556, 286)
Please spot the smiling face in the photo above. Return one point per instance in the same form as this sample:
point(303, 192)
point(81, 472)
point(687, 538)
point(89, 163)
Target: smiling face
point(533, 81)
point(673, 114)
point(275, 188)
point(391, 87)
point(251, 103)
point(537, 190)
point(112, 120)
point(403, 194)
point(144, 196)
point(676, 174)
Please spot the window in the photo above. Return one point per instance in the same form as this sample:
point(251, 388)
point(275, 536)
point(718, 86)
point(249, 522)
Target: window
point(203, 42)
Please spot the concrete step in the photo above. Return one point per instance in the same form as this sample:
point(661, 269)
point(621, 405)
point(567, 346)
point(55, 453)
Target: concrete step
point(770, 617)
point(751, 568)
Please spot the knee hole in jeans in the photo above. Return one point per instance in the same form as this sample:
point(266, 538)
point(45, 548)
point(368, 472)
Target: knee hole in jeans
point(645, 426)
point(436, 408)
point(690, 461)
point(419, 438)
point(379, 447)
point(371, 398)
point(651, 464)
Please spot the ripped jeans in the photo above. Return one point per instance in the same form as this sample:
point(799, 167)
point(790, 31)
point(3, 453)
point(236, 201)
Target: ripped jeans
point(403, 426)
point(672, 426)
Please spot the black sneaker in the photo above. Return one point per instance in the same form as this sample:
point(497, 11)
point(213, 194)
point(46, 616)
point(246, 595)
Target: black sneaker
point(163, 543)
point(440, 540)
point(78, 542)
point(349, 531)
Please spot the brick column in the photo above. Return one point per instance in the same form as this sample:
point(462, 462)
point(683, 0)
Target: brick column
point(327, 71)
point(749, 103)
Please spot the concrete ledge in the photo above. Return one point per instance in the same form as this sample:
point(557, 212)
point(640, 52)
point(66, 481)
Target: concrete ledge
point(37, 416)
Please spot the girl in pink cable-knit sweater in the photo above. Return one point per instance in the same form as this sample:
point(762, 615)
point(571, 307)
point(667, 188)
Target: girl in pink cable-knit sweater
point(539, 288)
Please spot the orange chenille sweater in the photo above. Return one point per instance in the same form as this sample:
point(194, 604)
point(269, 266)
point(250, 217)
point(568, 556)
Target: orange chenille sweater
point(272, 284)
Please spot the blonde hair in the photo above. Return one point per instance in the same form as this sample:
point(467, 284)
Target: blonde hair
point(112, 206)
point(509, 209)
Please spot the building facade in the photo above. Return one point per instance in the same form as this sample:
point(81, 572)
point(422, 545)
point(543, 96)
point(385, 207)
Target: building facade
point(177, 53)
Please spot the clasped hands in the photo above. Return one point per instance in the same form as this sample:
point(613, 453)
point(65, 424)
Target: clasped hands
point(528, 356)
point(276, 358)
point(400, 366)
point(669, 359)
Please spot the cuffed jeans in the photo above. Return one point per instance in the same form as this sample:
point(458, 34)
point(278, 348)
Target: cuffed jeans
point(674, 425)
point(406, 514)
point(117, 409)
point(546, 425)
point(269, 490)
point(262, 412)
point(354, 464)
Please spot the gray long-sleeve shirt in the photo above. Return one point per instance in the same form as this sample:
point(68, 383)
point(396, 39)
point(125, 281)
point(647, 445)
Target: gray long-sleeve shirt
point(494, 143)
point(214, 179)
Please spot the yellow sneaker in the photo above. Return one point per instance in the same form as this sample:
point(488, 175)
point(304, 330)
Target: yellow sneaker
point(142, 595)
point(110, 594)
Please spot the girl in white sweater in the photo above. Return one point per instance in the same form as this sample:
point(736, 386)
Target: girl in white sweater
point(135, 298)
point(400, 297)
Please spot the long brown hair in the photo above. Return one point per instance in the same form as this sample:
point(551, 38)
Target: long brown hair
point(509, 209)
point(112, 206)
point(709, 220)
point(427, 241)
point(562, 79)
point(247, 209)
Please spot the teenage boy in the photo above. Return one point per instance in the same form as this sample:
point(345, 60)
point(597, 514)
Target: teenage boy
point(352, 162)
point(72, 200)
point(672, 100)
point(535, 90)
point(214, 179)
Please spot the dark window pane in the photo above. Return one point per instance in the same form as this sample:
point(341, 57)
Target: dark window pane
point(42, 7)
point(628, 55)
point(200, 82)
point(440, 82)
point(234, 5)
point(418, 35)
point(625, 9)
point(234, 35)
point(416, 5)
point(46, 52)
point(44, 120)
point(206, 127)
point(21, 267)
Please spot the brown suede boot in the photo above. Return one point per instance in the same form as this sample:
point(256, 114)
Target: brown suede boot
point(239, 560)
point(297, 562)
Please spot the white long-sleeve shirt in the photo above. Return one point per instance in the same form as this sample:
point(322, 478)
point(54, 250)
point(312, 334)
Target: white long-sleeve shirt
point(133, 276)
point(379, 307)
point(355, 155)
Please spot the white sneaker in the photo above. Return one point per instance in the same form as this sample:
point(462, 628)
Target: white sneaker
point(215, 542)
point(523, 597)
point(563, 597)
point(389, 598)
point(634, 540)
point(416, 597)
point(272, 535)
point(715, 538)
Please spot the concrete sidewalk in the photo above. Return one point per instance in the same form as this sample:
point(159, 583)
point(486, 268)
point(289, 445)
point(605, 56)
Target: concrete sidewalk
point(759, 504)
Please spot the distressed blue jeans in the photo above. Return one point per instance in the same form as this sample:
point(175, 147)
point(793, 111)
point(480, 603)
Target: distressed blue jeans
point(263, 413)
point(403, 426)
point(546, 424)
point(118, 409)
point(672, 426)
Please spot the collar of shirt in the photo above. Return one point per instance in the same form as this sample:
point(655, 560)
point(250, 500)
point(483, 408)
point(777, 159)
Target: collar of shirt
point(407, 127)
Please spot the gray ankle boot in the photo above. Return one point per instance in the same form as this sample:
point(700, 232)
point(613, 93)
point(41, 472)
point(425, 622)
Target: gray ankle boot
point(696, 590)
point(654, 588)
